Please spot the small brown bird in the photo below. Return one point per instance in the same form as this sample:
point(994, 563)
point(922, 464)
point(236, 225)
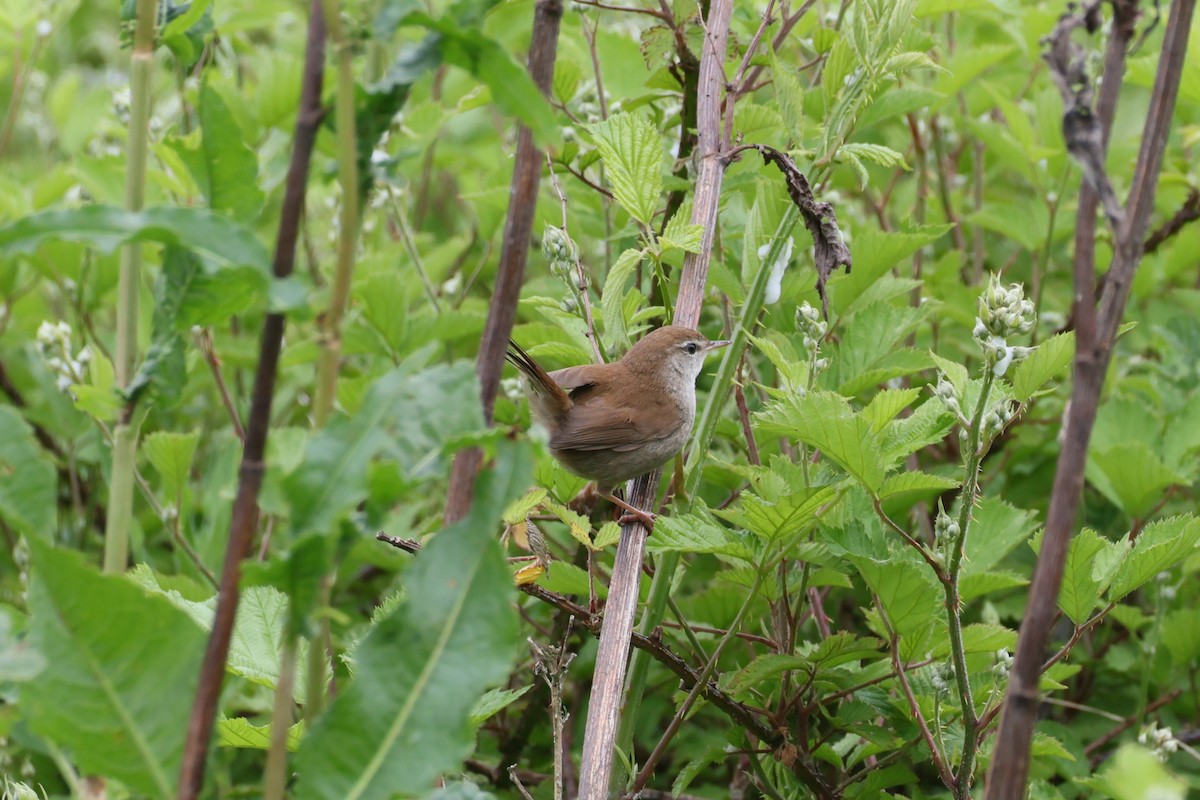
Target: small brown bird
point(613, 422)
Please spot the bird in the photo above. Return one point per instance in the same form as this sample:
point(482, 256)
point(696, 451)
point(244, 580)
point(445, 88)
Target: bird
point(613, 422)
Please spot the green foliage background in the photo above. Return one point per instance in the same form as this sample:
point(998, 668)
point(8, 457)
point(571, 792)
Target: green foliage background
point(932, 128)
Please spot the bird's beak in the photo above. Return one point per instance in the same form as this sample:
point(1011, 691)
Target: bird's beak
point(719, 343)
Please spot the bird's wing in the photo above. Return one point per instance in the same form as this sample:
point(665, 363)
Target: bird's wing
point(597, 422)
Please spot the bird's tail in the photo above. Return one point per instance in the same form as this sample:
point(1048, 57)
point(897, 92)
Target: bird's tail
point(539, 381)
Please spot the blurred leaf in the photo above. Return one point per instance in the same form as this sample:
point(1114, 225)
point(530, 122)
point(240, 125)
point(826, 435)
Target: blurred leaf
point(239, 732)
point(19, 661)
point(1085, 575)
point(1132, 476)
point(997, 529)
point(493, 702)
point(1135, 774)
point(91, 628)
point(207, 233)
point(420, 670)
point(633, 153)
point(612, 305)
point(171, 455)
point(406, 416)
point(1179, 635)
point(28, 482)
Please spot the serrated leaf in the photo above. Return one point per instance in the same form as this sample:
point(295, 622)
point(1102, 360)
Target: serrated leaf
point(1082, 582)
point(241, 733)
point(422, 667)
point(1047, 361)
point(825, 421)
point(612, 305)
point(113, 720)
point(680, 233)
point(632, 150)
point(927, 425)
point(171, 455)
point(694, 533)
point(915, 482)
point(879, 154)
point(906, 590)
point(997, 528)
point(523, 506)
point(1132, 476)
point(28, 483)
point(885, 405)
point(577, 525)
point(775, 522)
point(979, 584)
point(1161, 546)
point(608, 535)
point(493, 702)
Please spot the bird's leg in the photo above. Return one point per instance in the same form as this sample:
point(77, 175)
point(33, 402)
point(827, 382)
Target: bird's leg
point(632, 514)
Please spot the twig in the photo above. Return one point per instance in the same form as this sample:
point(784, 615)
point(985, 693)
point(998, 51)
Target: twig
point(1189, 211)
point(939, 761)
point(581, 277)
point(739, 396)
point(203, 339)
point(518, 228)
point(653, 12)
point(1095, 335)
point(245, 507)
point(733, 86)
point(1128, 722)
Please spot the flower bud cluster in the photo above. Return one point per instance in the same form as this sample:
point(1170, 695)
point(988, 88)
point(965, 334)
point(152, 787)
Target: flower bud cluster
point(946, 392)
point(810, 325)
point(1161, 741)
point(562, 254)
point(945, 529)
point(54, 344)
point(1004, 662)
point(512, 389)
point(1003, 312)
point(998, 417)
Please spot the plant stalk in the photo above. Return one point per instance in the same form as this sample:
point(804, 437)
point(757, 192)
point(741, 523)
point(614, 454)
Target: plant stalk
point(275, 773)
point(120, 488)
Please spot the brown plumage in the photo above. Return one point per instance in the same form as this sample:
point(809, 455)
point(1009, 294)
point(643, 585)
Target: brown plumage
point(614, 422)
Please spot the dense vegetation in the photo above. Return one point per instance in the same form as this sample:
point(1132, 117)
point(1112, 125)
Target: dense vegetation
point(844, 554)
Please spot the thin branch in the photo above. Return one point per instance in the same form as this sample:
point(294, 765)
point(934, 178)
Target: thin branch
point(1188, 212)
point(653, 12)
point(203, 339)
point(518, 228)
point(245, 507)
point(581, 277)
point(1128, 722)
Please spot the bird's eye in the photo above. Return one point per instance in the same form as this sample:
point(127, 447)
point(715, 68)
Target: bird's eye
point(692, 348)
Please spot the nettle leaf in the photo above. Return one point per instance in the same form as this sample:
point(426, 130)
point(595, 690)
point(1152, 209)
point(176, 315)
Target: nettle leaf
point(171, 455)
point(406, 416)
point(422, 668)
point(826, 421)
point(1132, 476)
point(493, 702)
point(28, 482)
point(632, 150)
point(1160, 547)
point(612, 304)
point(879, 154)
point(696, 533)
point(222, 164)
point(777, 521)
point(241, 733)
point(1047, 361)
point(92, 629)
point(209, 234)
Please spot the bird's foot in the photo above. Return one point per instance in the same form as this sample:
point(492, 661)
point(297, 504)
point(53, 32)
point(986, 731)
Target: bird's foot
point(644, 517)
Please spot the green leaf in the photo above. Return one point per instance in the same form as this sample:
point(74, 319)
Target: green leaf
point(876, 252)
point(885, 405)
point(1135, 774)
point(523, 506)
point(612, 303)
point(695, 533)
point(239, 732)
point(92, 629)
point(780, 520)
point(224, 167)
point(1132, 476)
point(927, 425)
point(906, 589)
point(577, 525)
point(1085, 576)
point(171, 455)
point(1047, 361)
point(28, 483)
point(918, 483)
point(422, 668)
point(405, 416)
point(680, 233)
point(209, 234)
point(18, 660)
point(493, 702)
point(1161, 546)
point(997, 528)
point(632, 150)
point(825, 421)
